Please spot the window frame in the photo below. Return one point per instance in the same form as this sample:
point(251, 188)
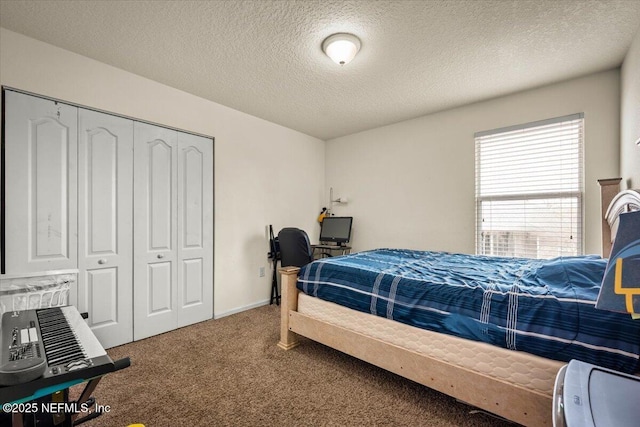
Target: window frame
point(577, 194)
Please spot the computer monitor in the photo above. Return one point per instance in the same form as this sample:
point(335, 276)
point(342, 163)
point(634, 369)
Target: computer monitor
point(336, 229)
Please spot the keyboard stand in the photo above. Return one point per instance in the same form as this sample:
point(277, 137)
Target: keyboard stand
point(275, 296)
point(85, 396)
point(61, 396)
point(274, 256)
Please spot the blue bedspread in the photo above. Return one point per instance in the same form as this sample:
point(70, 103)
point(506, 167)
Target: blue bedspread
point(544, 307)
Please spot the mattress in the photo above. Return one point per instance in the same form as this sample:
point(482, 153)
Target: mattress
point(542, 307)
point(515, 367)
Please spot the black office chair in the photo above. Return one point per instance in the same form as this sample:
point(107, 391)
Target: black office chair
point(295, 249)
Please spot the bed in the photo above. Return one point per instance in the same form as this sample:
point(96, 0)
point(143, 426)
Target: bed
point(499, 376)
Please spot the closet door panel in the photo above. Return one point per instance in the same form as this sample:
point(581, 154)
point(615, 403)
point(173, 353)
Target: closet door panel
point(101, 192)
point(105, 287)
point(195, 229)
point(192, 192)
point(40, 184)
point(47, 165)
point(155, 230)
point(160, 197)
point(102, 286)
point(159, 288)
point(127, 203)
point(192, 276)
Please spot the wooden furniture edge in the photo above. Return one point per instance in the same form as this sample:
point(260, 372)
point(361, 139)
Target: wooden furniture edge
point(507, 400)
point(608, 189)
point(288, 304)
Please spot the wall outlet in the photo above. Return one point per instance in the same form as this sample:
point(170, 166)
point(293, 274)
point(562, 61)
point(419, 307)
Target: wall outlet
point(261, 271)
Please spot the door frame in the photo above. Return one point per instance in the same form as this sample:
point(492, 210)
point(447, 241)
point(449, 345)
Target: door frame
point(3, 225)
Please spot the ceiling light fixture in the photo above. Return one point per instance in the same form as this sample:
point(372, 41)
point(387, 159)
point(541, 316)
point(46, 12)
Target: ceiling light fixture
point(341, 47)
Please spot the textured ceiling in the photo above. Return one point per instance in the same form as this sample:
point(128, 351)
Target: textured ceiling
point(264, 57)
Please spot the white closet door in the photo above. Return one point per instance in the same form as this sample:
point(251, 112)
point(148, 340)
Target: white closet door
point(105, 210)
point(195, 229)
point(155, 225)
point(40, 184)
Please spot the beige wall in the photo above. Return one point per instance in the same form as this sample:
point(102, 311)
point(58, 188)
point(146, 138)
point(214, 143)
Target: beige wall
point(411, 184)
point(630, 117)
point(251, 186)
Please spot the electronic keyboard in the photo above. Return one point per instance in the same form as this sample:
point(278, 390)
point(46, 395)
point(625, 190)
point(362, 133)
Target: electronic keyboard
point(47, 347)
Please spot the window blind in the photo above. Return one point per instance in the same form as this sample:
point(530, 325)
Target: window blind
point(529, 185)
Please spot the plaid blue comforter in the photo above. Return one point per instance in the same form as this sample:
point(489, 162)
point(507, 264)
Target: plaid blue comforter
point(543, 307)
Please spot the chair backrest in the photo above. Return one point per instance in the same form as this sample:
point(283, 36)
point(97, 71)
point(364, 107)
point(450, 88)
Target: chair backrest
point(295, 249)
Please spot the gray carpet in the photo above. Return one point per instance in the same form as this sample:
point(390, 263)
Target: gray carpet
point(229, 372)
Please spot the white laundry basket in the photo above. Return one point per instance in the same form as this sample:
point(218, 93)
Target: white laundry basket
point(36, 290)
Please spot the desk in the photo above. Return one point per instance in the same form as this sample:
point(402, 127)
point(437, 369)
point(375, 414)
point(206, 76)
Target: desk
point(327, 250)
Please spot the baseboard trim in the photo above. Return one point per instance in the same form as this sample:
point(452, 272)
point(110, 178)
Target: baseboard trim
point(241, 309)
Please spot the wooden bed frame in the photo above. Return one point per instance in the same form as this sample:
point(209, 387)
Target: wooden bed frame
point(510, 401)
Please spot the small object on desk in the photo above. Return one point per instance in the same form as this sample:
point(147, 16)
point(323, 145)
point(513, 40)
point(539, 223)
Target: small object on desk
point(592, 396)
point(322, 215)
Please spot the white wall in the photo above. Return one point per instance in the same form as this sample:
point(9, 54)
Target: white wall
point(411, 184)
point(630, 117)
point(252, 188)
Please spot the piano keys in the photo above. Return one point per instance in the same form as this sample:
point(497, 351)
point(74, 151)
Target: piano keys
point(47, 347)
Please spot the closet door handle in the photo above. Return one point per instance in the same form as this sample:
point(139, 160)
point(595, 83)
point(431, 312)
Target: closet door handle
point(102, 261)
point(160, 256)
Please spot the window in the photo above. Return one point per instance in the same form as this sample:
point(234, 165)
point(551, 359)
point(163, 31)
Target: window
point(529, 184)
